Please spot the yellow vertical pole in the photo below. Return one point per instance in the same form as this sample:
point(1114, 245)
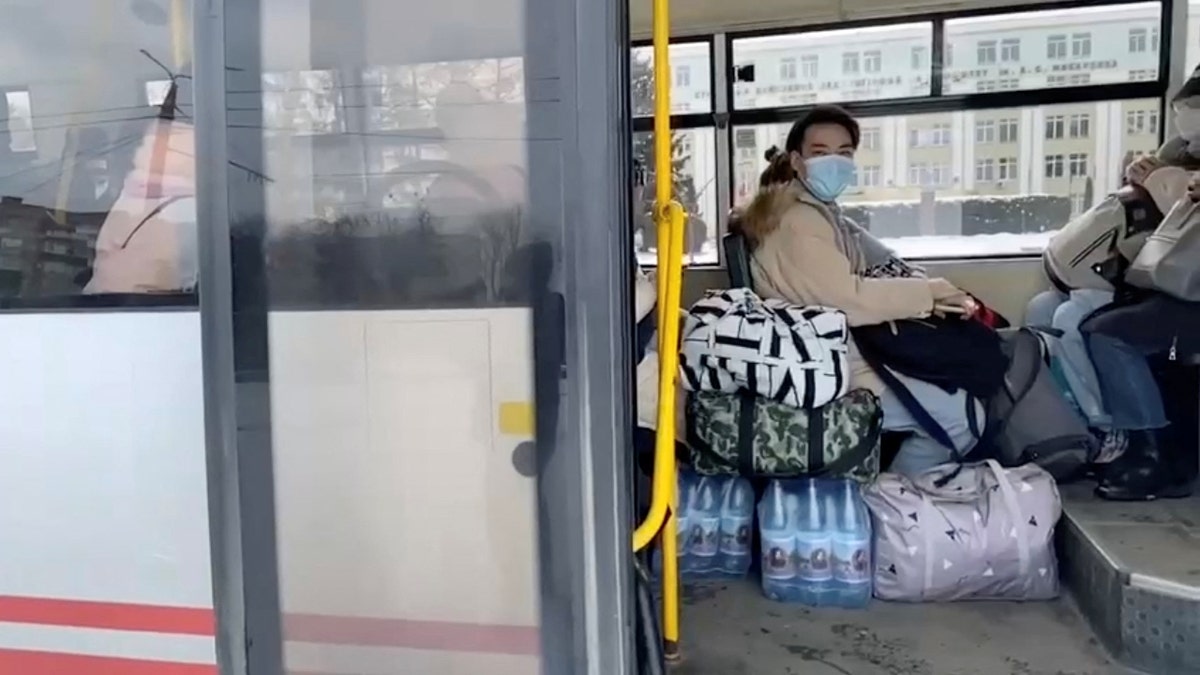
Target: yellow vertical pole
point(669, 217)
point(180, 40)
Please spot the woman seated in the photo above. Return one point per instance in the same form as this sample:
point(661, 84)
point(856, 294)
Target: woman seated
point(806, 251)
point(1131, 417)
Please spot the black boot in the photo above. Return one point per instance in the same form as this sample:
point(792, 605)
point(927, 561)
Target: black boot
point(1146, 471)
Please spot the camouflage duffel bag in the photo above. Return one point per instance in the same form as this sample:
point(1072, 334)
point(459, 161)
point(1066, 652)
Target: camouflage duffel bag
point(754, 436)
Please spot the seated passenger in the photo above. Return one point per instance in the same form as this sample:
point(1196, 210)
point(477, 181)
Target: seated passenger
point(806, 251)
point(1130, 406)
point(1120, 338)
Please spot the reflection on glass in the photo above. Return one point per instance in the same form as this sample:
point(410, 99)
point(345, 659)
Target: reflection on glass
point(20, 122)
point(404, 96)
point(394, 230)
point(691, 84)
point(970, 183)
point(836, 66)
point(1057, 48)
point(305, 102)
point(695, 184)
point(95, 175)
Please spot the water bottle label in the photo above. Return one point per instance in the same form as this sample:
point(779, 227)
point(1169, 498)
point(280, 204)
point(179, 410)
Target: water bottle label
point(779, 557)
point(705, 536)
point(852, 560)
point(735, 535)
point(813, 558)
point(681, 535)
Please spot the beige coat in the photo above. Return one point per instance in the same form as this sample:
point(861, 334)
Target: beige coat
point(646, 377)
point(148, 242)
point(795, 257)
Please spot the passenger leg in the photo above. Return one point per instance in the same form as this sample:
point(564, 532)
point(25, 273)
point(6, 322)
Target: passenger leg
point(1146, 470)
point(919, 452)
point(1040, 310)
point(1076, 361)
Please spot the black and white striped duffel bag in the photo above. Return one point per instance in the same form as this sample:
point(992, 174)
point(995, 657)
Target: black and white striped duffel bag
point(734, 340)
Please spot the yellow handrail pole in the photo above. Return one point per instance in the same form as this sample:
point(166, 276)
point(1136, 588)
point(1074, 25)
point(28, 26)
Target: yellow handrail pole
point(180, 39)
point(669, 217)
point(668, 276)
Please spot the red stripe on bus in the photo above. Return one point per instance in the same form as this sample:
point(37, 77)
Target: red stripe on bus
point(49, 663)
point(312, 628)
point(108, 615)
point(429, 635)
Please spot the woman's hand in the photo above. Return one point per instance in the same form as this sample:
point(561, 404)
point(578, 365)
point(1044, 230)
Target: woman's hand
point(1137, 172)
point(949, 299)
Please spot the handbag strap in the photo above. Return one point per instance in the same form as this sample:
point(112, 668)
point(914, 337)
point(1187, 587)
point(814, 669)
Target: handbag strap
point(745, 443)
point(1014, 508)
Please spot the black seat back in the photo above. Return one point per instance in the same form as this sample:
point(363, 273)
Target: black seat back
point(737, 258)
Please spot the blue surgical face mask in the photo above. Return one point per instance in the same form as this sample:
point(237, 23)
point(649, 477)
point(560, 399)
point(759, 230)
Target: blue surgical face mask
point(828, 176)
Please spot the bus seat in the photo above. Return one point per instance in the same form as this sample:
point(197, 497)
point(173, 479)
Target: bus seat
point(737, 258)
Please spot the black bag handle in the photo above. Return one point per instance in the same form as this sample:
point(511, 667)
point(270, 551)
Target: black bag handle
point(153, 212)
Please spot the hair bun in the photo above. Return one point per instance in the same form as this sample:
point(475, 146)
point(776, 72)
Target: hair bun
point(772, 153)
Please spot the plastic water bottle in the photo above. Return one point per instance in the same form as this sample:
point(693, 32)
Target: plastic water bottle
point(737, 517)
point(684, 497)
point(778, 545)
point(704, 527)
point(814, 547)
point(852, 548)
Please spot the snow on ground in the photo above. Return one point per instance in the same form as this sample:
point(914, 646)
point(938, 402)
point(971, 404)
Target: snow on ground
point(919, 248)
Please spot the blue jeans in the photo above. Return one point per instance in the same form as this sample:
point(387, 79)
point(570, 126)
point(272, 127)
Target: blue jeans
point(1052, 309)
point(1130, 390)
point(1127, 386)
point(919, 452)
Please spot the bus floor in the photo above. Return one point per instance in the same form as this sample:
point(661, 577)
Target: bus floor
point(1136, 567)
point(729, 628)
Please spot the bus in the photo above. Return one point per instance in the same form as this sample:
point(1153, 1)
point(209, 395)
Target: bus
point(331, 303)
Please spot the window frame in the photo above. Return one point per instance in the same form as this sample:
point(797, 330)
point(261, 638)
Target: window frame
point(726, 118)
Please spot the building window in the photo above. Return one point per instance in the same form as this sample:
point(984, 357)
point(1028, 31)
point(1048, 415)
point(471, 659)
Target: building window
point(1078, 164)
point(985, 131)
point(1006, 169)
point(850, 63)
point(1007, 130)
point(1139, 40)
point(1054, 166)
point(985, 170)
point(1080, 125)
point(21, 134)
point(683, 76)
point(1055, 127)
point(873, 61)
point(869, 139)
point(1081, 45)
point(808, 66)
point(1154, 39)
point(936, 135)
point(787, 69)
point(920, 58)
point(870, 176)
point(1010, 50)
point(1056, 47)
point(986, 52)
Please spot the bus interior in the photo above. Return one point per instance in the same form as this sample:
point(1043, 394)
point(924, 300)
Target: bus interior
point(381, 419)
